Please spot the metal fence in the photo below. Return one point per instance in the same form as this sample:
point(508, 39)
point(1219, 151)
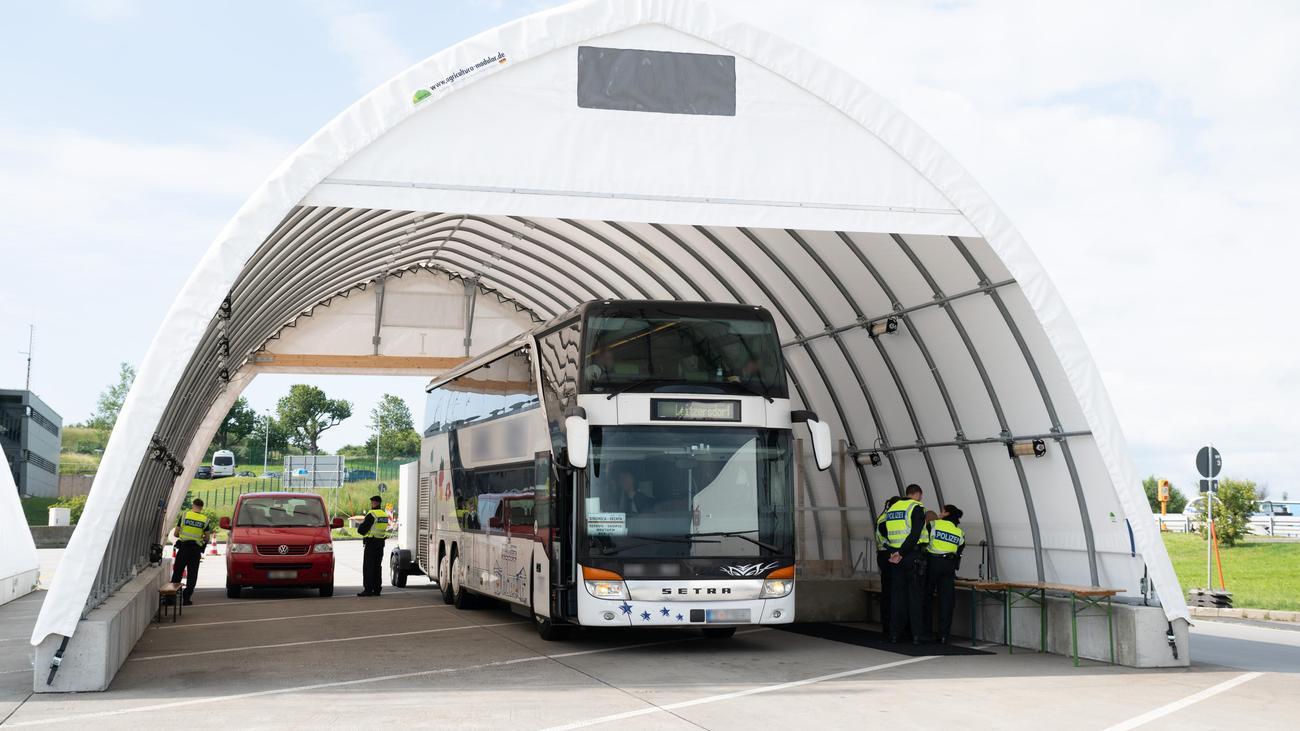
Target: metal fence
point(1278, 526)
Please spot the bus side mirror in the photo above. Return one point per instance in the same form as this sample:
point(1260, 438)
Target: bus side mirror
point(224, 523)
point(821, 437)
point(577, 433)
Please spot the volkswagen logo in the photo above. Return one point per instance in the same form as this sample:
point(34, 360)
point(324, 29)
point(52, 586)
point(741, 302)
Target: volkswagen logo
point(283, 549)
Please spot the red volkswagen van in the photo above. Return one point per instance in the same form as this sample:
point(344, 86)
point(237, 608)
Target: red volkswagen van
point(280, 539)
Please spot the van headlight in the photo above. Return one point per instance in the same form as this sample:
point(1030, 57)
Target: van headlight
point(323, 548)
point(240, 548)
point(604, 584)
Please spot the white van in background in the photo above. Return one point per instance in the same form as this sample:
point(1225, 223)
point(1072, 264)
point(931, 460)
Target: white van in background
point(223, 463)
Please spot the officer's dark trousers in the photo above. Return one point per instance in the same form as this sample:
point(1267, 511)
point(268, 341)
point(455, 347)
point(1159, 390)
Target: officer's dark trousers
point(371, 565)
point(940, 577)
point(905, 597)
point(188, 554)
point(882, 560)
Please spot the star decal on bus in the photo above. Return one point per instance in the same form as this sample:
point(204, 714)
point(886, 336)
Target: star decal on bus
point(645, 616)
point(625, 607)
point(664, 611)
point(679, 617)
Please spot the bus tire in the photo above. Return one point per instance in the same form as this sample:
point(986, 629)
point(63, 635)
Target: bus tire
point(461, 598)
point(719, 633)
point(395, 569)
point(444, 579)
point(550, 631)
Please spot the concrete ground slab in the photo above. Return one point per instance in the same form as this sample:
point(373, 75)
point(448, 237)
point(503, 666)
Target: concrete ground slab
point(289, 659)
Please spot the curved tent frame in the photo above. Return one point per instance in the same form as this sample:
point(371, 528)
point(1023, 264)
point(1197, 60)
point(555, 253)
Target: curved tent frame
point(985, 354)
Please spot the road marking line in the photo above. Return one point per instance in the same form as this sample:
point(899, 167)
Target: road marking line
point(318, 642)
point(20, 670)
point(736, 694)
point(300, 616)
point(344, 683)
point(1177, 705)
point(13, 639)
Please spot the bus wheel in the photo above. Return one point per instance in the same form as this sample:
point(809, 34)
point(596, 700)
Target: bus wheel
point(395, 570)
point(461, 597)
point(719, 633)
point(444, 579)
point(550, 631)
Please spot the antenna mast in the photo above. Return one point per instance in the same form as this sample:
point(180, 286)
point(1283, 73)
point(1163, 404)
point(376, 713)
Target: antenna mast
point(31, 337)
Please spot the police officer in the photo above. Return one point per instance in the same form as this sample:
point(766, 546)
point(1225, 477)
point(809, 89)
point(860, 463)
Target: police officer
point(904, 522)
point(191, 534)
point(944, 556)
point(373, 530)
point(882, 562)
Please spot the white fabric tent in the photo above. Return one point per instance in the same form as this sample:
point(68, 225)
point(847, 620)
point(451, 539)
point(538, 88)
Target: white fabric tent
point(658, 149)
point(19, 567)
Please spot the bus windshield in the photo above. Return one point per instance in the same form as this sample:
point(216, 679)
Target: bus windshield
point(646, 346)
point(281, 512)
point(681, 492)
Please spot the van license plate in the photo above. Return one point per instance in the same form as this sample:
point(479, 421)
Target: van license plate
point(729, 616)
point(285, 575)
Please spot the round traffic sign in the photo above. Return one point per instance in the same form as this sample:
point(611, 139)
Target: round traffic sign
point(1209, 462)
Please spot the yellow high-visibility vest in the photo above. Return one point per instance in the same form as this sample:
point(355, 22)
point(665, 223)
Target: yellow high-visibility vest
point(379, 529)
point(945, 537)
point(193, 526)
point(898, 522)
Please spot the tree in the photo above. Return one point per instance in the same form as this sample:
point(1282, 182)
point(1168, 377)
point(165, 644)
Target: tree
point(307, 412)
point(111, 399)
point(240, 421)
point(258, 440)
point(1233, 506)
point(1177, 500)
point(392, 426)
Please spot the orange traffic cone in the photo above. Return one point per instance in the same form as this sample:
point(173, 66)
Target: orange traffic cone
point(212, 549)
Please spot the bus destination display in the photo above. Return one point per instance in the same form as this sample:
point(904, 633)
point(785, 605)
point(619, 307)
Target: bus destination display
point(692, 410)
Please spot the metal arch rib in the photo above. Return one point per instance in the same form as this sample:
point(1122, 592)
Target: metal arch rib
point(655, 252)
point(530, 256)
point(939, 296)
point(1055, 420)
point(889, 362)
point(608, 242)
point(557, 251)
point(848, 359)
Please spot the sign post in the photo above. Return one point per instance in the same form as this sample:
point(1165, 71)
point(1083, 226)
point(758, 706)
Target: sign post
point(1209, 462)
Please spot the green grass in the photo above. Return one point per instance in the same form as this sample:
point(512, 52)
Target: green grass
point(219, 495)
point(37, 509)
point(1261, 573)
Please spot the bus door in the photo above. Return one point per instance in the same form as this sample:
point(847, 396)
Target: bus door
point(554, 581)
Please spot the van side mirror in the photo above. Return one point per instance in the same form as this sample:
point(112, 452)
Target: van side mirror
point(577, 433)
point(224, 523)
point(336, 523)
point(820, 432)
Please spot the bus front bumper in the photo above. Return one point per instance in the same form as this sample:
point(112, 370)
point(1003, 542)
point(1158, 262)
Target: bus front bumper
point(593, 612)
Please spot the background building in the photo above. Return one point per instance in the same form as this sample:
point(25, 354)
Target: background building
point(30, 433)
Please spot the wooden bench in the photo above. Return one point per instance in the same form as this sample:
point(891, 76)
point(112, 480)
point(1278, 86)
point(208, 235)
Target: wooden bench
point(169, 591)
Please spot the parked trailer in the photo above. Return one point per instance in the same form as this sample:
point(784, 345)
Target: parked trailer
point(628, 463)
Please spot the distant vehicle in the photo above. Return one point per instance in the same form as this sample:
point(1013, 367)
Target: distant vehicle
point(223, 463)
point(357, 475)
point(245, 473)
point(280, 539)
point(204, 472)
point(271, 475)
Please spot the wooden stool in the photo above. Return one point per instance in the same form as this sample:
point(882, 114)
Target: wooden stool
point(170, 590)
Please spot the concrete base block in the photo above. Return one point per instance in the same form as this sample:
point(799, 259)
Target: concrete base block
point(1140, 632)
point(52, 536)
point(103, 639)
point(20, 584)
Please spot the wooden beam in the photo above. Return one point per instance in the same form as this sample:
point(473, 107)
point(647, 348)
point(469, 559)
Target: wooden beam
point(265, 359)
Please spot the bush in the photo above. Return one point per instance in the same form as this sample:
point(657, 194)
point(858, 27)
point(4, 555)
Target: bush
point(75, 504)
point(1233, 506)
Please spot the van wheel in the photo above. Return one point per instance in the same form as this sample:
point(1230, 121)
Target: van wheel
point(719, 633)
point(550, 631)
point(327, 590)
point(232, 591)
point(444, 579)
point(461, 597)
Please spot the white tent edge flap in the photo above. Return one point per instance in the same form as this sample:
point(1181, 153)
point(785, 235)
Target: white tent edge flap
point(525, 40)
point(17, 549)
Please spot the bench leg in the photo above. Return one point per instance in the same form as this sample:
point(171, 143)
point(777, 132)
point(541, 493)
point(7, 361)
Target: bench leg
point(1074, 630)
point(1006, 603)
point(1042, 620)
point(1110, 628)
point(974, 605)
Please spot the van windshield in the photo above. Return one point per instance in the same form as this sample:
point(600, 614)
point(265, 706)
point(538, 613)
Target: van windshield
point(278, 512)
point(223, 461)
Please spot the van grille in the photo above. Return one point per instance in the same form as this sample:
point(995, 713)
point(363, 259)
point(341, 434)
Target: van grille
point(274, 550)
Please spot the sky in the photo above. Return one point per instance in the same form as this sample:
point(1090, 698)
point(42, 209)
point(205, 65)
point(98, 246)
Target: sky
point(1148, 152)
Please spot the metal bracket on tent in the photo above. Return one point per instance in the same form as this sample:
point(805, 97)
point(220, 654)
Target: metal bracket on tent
point(963, 443)
point(379, 310)
point(471, 298)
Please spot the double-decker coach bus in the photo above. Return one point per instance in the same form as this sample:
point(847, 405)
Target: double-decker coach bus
point(629, 463)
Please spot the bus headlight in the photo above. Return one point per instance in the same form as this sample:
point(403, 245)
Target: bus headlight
point(607, 589)
point(604, 584)
point(779, 583)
